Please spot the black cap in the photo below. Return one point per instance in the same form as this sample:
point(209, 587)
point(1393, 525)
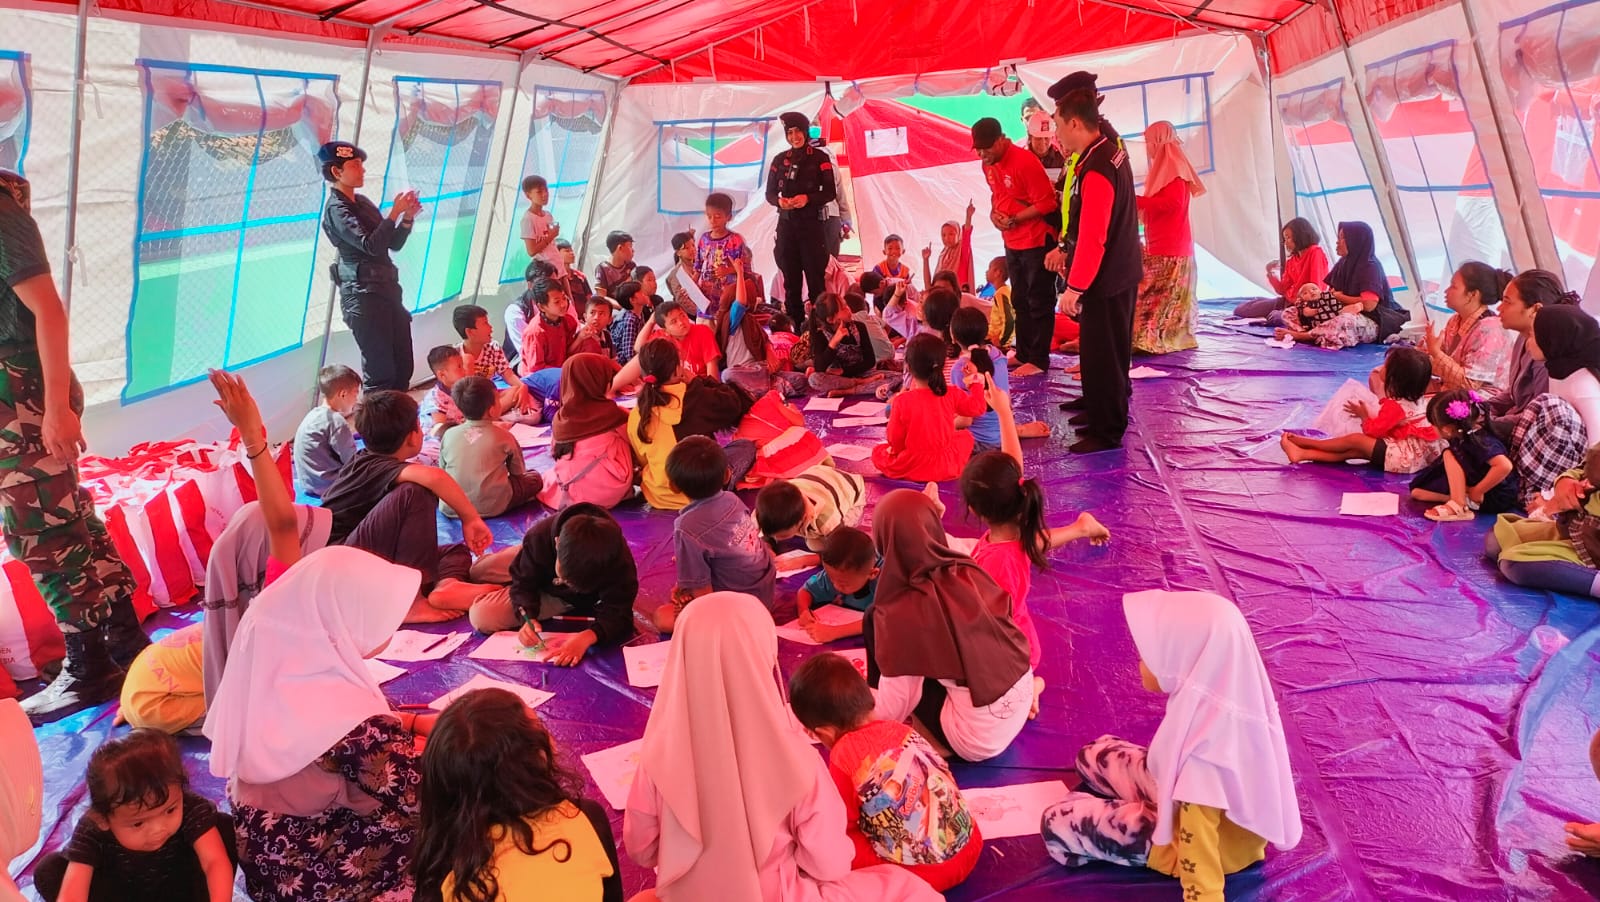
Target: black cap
point(795, 120)
point(338, 153)
point(1073, 82)
point(985, 132)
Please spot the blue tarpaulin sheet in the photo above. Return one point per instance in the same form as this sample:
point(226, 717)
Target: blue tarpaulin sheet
point(1438, 717)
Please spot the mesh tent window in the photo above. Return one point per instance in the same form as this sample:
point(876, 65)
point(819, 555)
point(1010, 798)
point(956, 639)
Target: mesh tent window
point(230, 202)
point(443, 136)
point(1446, 199)
point(1183, 100)
point(695, 157)
point(563, 144)
point(1549, 65)
point(1331, 184)
point(16, 110)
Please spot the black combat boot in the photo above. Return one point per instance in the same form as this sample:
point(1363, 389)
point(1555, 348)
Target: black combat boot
point(88, 677)
point(125, 638)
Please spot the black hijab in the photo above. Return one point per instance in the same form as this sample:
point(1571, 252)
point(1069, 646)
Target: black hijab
point(1359, 270)
point(1570, 340)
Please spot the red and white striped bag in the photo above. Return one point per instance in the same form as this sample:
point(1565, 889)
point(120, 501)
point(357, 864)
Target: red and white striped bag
point(29, 637)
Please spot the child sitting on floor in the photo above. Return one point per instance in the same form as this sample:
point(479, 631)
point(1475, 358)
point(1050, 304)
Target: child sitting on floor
point(1012, 508)
point(969, 332)
point(590, 458)
point(594, 333)
point(1215, 785)
point(573, 568)
point(324, 443)
point(892, 268)
point(955, 253)
point(902, 803)
point(482, 356)
point(501, 818)
point(697, 342)
point(483, 457)
point(843, 361)
point(387, 505)
point(877, 329)
point(1474, 474)
point(1395, 438)
point(439, 405)
point(923, 444)
point(618, 268)
point(1002, 316)
point(849, 577)
point(146, 836)
point(715, 541)
point(165, 687)
point(783, 337)
point(651, 421)
point(547, 339)
point(811, 505)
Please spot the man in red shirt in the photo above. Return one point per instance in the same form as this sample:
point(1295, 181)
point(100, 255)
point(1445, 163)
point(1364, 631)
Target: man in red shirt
point(1020, 197)
point(1102, 260)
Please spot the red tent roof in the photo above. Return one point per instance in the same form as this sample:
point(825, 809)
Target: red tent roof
point(789, 40)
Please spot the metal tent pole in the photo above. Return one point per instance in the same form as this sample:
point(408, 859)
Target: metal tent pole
point(598, 173)
point(499, 178)
point(75, 153)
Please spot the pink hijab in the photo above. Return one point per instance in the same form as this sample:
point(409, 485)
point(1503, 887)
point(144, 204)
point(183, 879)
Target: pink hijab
point(1221, 741)
point(722, 750)
point(1168, 161)
point(21, 791)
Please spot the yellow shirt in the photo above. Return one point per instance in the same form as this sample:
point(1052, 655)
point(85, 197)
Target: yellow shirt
point(1205, 848)
point(165, 687)
point(658, 490)
point(574, 877)
point(1002, 319)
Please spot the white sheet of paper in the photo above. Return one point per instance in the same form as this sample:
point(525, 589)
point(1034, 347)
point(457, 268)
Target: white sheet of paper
point(1284, 342)
point(692, 289)
point(530, 696)
point(865, 409)
point(383, 672)
point(1243, 321)
point(613, 770)
point(848, 422)
point(824, 404)
point(1146, 372)
point(1006, 811)
point(785, 562)
point(626, 401)
point(1370, 504)
point(962, 543)
point(506, 647)
point(414, 645)
point(849, 452)
point(1333, 421)
point(831, 614)
point(858, 657)
point(887, 142)
point(530, 436)
point(645, 663)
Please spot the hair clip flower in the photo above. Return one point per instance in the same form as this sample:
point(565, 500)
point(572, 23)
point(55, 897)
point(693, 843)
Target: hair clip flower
point(1458, 410)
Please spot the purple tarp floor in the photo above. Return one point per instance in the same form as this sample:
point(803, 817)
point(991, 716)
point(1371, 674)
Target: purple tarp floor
point(1438, 717)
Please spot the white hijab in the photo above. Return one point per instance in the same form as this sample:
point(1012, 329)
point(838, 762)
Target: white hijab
point(297, 678)
point(21, 791)
point(1221, 743)
point(722, 751)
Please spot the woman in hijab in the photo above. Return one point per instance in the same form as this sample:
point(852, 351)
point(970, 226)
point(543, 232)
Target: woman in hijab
point(21, 791)
point(1215, 786)
point(940, 637)
point(1556, 427)
point(593, 461)
point(1164, 315)
point(1358, 307)
point(730, 801)
point(321, 773)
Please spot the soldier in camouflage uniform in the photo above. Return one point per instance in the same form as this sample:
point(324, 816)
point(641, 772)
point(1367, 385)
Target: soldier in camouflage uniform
point(49, 519)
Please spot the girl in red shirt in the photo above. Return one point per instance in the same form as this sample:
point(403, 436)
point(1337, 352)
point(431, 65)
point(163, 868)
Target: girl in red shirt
point(923, 442)
point(1305, 263)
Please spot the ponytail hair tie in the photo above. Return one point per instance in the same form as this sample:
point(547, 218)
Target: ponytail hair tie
point(649, 380)
point(1022, 482)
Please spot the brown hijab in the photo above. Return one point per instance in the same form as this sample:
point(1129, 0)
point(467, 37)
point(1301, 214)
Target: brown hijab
point(585, 409)
point(938, 614)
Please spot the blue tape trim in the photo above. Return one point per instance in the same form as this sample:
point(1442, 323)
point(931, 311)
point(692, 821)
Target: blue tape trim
point(456, 82)
point(1326, 192)
point(190, 231)
point(710, 122)
point(1156, 81)
point(1406, 54)
point(1523, 21)
point(237, 70)
point(249, 192)
point(517, 198)
point(712, 166)
point(433, 214)
point(1570, 192)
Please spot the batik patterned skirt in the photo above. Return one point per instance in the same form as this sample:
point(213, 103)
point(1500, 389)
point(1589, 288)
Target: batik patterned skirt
point(1164, 316)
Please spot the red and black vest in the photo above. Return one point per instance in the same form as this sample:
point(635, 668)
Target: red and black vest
point(1123, 264)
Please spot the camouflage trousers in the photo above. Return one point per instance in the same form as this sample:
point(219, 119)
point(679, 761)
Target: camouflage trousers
point(49, 519)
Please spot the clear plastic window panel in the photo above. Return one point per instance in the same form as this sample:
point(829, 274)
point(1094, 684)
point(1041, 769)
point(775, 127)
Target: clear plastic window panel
point(1183, 100)
point(1331, 184)
point(563, 143)
point(229, 219)
point(1445, 195)
point(695, 158)
point(1549, 64)
point(443, 135)
point(16, 110)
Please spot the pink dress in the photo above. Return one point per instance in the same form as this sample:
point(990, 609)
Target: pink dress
point(599, 471)
point(811, 853)
point(1010, 567)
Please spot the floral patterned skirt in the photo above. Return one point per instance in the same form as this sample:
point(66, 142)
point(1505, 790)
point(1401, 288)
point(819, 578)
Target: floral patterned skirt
point(1164, 316)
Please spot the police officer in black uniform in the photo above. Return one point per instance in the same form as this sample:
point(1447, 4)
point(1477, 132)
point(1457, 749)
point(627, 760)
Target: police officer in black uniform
point(369, 283)
point(800, 184)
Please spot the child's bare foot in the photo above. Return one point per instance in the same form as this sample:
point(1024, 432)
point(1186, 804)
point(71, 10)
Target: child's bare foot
point(1038, 690)
point(1027, 369)
point(1092, 529)
point(1075, 368)
point(1290, 449)
point(1036, 429)
point(665, 617)
point(424, 612)
point(932, 491)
